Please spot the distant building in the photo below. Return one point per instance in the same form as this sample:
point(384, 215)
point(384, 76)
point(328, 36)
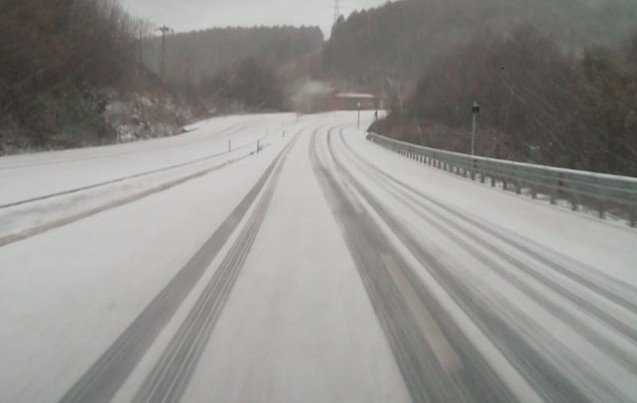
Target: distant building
point(351, 101)
point(315, 96)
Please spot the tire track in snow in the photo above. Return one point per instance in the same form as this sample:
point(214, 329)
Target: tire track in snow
point(442, 224)
point(435, 367)
point(523, 352)
point(172, 373)
point(121, 179)
point(104, 378)
point(622, 295)
point(40, 229)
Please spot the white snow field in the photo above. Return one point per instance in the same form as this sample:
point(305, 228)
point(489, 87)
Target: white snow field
point(323, 268)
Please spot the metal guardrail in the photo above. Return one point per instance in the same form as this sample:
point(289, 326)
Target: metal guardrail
point(599, 191)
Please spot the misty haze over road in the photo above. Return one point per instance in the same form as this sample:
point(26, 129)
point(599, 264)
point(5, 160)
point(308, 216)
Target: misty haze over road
point(322, 268)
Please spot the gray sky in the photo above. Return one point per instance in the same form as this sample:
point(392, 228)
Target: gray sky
point(185, 15)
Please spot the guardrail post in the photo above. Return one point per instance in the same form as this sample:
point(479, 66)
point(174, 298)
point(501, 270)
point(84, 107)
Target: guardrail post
point(556, 190)
point(473, 170)
point(600, 208)
point(633, 217)
point(574, 201)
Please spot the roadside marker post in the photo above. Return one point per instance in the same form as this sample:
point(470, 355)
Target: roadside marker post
point(476, 111)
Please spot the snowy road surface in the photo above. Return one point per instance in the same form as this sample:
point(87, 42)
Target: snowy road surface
point(321, 269)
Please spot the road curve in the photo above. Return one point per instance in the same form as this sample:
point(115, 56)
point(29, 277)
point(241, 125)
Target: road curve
point(322, 268)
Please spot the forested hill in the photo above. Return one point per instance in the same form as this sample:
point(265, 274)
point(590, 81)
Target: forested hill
point(400, 39)
point(198, 56)
point(62, 62)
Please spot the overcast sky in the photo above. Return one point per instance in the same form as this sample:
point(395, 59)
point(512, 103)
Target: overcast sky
point(186, 15)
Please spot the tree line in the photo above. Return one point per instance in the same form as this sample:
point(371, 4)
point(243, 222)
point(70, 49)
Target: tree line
point(196, 60)
point(397, 41)
point(53, 54)
point(538, 103)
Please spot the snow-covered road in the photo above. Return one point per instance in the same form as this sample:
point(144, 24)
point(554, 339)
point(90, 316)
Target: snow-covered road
point(321, 269)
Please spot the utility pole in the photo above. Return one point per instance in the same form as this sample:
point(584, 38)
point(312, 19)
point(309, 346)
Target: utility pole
point(141, 46)
point(164, 31)
point(476, 111)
